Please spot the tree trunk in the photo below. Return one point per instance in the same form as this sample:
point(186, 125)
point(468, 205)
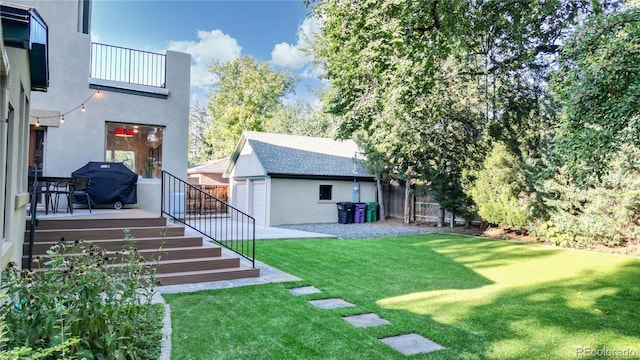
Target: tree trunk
point(467, 223)
point(441, 217)
point(453, 220)
point(381, 200)
point(407, 200)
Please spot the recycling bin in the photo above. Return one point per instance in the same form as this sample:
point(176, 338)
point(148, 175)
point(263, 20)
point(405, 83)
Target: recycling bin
point(345, 212)
point(372, 211)
point(358, 214)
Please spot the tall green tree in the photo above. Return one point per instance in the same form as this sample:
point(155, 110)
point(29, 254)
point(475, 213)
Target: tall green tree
point(300, 118)
point(199, 122)
point(431, 79)
point(245, 96)
point(598, 86)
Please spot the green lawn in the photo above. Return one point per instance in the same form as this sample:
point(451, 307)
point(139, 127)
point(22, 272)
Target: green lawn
point(479, 298)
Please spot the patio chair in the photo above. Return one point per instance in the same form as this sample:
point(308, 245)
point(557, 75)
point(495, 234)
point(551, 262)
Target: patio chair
point(79, 188)
point(75, 187)
point(57, 189)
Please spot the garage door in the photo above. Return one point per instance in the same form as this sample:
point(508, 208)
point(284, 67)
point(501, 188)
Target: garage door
point(240, 196)
point(259, 192)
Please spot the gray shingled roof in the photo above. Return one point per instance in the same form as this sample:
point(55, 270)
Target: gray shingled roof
point(306, 156)
point(215, 166)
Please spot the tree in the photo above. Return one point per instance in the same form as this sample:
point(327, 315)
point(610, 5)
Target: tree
point(500, 190)
point(434, 79)
point(598, 86)
point(245, 96)
point(199, 122)
point(300, 118)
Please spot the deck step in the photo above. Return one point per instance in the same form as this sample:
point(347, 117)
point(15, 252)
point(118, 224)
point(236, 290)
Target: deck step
point(99, 223)
point(166, 254)
point(117, 244)
point(202, 264)
point(70, 235)
point(178, 257)
point(191, 277)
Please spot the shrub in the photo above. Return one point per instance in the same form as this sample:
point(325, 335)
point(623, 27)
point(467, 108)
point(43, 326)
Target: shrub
point(499, 189)
point(607, 212)
point(80, 294)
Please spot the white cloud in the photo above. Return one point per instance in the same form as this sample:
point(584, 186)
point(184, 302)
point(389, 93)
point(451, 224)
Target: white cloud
point(293, 56)
point(210, 45)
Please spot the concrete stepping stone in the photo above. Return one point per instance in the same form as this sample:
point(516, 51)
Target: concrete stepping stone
point(330, 303)
point(305, 290)
point(366, 320)
point(411, 344)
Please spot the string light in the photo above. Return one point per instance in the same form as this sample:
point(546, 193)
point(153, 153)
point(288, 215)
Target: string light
point(82, 107)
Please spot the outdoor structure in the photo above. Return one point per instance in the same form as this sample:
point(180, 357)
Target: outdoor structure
point(108, 103)
point(208, 178)
point(23, 68)
point(210, 173)
point(288, 179)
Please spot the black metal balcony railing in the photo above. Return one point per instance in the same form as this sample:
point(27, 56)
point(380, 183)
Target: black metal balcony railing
point(131, 66)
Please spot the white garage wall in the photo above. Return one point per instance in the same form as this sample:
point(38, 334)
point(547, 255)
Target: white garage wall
point(295, 201)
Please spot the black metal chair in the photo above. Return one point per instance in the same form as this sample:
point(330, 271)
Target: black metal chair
point(75, 187)
point(80, 187)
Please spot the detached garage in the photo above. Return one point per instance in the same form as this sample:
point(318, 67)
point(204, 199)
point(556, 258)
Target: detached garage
point(288, 179)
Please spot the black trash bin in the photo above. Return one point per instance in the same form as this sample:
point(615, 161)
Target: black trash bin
point(345, 212)
point(109, 183)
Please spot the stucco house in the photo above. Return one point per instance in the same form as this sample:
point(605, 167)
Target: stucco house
point(108, 103)
point(287, 179)
point(23, 69)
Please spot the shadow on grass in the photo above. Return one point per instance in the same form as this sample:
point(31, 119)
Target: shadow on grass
point(541, 303)
point(479, 298)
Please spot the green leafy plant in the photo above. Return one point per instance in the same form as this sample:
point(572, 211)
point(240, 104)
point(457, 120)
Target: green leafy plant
point(80, 294)
point(608, 212)
point(149, 166)
point(20, 353)
point(499, 189)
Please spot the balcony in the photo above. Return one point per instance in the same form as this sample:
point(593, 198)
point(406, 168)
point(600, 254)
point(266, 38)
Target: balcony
point(24, 28)
point(128, 70)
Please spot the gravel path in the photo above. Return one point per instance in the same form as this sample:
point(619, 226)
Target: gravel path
point(367, 230)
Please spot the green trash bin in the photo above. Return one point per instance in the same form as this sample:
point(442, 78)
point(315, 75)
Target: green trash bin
point(372, 211)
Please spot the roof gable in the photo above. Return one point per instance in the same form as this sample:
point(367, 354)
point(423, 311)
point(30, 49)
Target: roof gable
point(303, 156)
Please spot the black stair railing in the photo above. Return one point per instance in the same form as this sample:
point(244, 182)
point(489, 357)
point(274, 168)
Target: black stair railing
point(213, 218)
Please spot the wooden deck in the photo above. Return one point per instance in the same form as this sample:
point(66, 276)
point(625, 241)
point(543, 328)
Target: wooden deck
point(183, 257)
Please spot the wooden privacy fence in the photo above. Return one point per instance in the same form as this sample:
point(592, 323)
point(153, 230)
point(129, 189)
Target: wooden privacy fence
point(197, 204)
point(422, 207)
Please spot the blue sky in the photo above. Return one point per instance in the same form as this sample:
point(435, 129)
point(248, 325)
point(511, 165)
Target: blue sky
point(268, 30)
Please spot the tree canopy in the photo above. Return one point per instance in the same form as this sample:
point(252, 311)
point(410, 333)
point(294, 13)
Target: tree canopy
point(598, 87)
point(431, 82)
point(245, 96)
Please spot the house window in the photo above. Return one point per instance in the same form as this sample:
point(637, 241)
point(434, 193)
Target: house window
point(325, 192)
point(138, 147)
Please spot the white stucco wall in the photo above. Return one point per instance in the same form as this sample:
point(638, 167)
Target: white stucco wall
point(295, 201)
point(15, 89)
point(81, 138)
point(247, 164)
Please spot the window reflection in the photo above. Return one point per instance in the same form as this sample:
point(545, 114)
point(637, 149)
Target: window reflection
point(139, 147)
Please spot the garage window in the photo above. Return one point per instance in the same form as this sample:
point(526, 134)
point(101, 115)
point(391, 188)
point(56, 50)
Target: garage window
point(325, 192)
